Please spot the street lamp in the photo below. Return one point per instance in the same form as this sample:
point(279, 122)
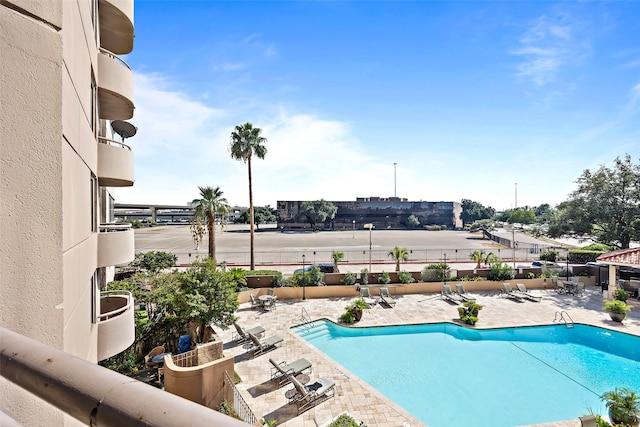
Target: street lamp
point(304, 281)
point(369, 226)
point(444, 270)
point(354, 229)
point(567, 264)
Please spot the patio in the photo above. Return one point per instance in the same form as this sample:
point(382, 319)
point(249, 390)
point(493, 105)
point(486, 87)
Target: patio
point(353, 395)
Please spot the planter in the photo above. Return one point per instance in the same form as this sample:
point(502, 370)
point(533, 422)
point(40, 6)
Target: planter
point(616, 421)
point(617, 317)
point(358, 313)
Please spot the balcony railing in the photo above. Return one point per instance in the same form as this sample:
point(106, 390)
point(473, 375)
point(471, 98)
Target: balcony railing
point(115, 163)
point(116, 323)
point(116, 244)
point(92, 394)
point(116, 25)
point(115, 87)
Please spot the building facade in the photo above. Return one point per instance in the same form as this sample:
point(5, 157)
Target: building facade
point(64, 91)
point(383, 213)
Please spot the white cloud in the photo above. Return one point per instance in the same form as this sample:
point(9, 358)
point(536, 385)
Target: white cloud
point(546, 47)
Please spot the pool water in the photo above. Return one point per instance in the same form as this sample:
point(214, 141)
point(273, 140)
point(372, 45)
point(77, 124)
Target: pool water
point(446, 375)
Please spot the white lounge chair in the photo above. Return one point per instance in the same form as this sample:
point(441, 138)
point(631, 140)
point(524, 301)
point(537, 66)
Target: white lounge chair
point(522, 290)
point(507, 291)
point(448, 295)
point(366, 296)
point(463, 294)
point(385, 297)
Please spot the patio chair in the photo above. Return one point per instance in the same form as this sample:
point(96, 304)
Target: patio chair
point(448, 295)
point(156, 351)
point(522, 290)
point(579, 289)
point(588, 421)
point(254, 302)
point(366, 296)
point(385, 297)
point(242, 334)
point(283, 370)
point(463, 294)
point(507, 291)
point(265, 344)
point(312, 394)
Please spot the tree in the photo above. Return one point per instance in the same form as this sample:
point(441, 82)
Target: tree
point(412, 221)
point(481, 257)
point(399, 254)
point(261, 215)
point(154, 261)
point(207, 206)
point(246, 141)
point(336, 256)
point(317, 211)
point(483, 224)
point(522, 216)
point(605, 206)
point(474, 211)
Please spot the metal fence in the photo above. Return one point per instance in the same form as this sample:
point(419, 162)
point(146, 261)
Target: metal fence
point(239, 404)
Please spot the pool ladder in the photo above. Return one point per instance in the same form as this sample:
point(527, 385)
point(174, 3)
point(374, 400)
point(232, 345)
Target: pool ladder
point(560, 317)
point(305, 320)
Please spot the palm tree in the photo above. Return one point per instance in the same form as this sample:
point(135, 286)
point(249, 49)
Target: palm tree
point(337, 256)
point(399, 254)
point(481, 257)
point(207, 206)
point(245, 142)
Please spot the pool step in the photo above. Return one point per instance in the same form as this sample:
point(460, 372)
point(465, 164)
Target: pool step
point(314, 331)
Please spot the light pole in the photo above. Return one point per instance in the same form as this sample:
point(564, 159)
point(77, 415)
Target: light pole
point(304, 281)
point(516, 206)
point(394, 178)
point(567, 264)
point(354, 229)
point(369, 226)
point(444, 270)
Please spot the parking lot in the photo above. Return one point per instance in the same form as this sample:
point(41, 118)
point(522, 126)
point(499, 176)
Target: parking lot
point(284, 251)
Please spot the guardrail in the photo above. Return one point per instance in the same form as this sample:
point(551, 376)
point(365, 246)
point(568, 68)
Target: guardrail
point(95, 395)
point(112, 55)
point(109, 141)
point(239, 404)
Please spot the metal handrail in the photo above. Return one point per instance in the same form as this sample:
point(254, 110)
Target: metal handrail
point(108, 294)
point(109, 141)
point(559, 316)
point(95, 395)
point(114, 56)
point(239, 404)
point(108, 227)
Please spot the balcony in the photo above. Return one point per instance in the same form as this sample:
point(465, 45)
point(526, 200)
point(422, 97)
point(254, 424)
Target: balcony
point(115, 163)
point(115, 87)
point(115, 244)
point(116, 324)
point(116, 25)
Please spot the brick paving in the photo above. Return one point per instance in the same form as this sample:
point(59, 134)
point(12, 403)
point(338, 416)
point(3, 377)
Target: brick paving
point(352, 394)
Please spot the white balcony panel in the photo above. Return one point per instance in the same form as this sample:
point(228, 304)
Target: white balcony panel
point(116, 324)
point(116, 25)
point(115, 87)
point(115, 164)
point(116, 245)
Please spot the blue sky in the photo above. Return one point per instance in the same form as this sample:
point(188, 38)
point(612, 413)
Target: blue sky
point(468, 98)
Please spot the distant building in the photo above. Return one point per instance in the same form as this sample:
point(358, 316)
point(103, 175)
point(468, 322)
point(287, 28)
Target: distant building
point(391, 212)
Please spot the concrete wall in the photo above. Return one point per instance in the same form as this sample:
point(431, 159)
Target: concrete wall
point(204, 383)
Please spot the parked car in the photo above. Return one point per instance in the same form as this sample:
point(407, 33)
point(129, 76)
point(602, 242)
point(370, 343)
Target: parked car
point(547, 264)
point(324, 268)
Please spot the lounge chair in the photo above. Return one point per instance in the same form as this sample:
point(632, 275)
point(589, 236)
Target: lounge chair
point(366, 296)
point(243, 334)
point(522, 290)
point(310, 395)
point(386, 298)
point(463, 294)
point(448, 295)
point(265, 344)
point(283, 369)
point(588, 421)
point(507, 291)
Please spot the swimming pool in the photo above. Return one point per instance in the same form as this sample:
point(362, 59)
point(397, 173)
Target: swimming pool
point(447, 375)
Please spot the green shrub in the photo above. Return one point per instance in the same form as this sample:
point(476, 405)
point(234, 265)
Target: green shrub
point(620, 295)
point(349, 279)
point(364, 276)
point(443, 271)
point(384, 278)
point(549, 255)
point(530, 275)
point(469, 312)
point(500, 271)
point(405, 277)
point(581, 256)
point(278, 280)
point(226, 408)
point(345, 420)
point(471, 278)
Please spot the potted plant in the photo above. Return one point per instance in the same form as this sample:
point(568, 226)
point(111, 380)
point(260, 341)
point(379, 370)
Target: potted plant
point(620, 295)
point(384, 278)
point(469, 312)
point(617, 309)
point(623, 405)
point(353, 311)
point(364, 276)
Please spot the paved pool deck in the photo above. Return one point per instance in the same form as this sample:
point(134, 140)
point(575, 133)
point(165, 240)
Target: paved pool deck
point(352, 394)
